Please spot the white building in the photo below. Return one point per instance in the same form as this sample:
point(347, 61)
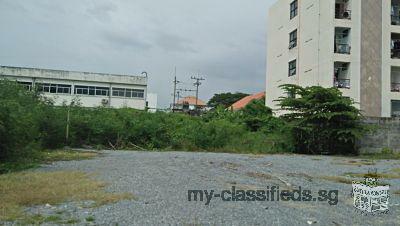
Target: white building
point(91, 89)
point(151, 102)
point(351, 44)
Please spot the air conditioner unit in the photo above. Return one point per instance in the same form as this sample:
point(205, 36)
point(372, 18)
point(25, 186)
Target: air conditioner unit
point(346, 15)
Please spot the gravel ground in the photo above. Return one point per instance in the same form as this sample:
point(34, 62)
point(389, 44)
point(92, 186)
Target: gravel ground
point(161, 180)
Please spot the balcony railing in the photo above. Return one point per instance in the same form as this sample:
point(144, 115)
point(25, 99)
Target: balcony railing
point(343, 14)
point(395, 20)
point(395, 114)
point(395, 87)
point(342, 83)
point(342, 48)
point(395, 53)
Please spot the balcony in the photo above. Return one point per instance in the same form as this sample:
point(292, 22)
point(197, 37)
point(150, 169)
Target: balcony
point(342, 40)
point(395, 79)
point(341, 78)
point(395, 108)
point(342, 9)
point(395, 46)
point(395, 87)
point(395, 12)
point(342, 48)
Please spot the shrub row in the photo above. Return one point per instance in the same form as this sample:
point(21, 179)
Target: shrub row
point(29, 121)
point(318, 121)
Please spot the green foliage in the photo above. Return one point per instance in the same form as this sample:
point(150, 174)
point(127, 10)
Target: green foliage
point(18, 119)
point(256, 115)
point(225, 99)
point(322, 120)
point(318, 120)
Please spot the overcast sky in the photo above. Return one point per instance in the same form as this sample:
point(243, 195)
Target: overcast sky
point(222, 40)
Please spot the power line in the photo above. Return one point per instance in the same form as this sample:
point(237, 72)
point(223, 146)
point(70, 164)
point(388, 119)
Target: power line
point(186, 90)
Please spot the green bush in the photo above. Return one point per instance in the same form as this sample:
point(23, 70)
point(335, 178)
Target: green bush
point(19, 111)
point(322, 120)
point(319, 120)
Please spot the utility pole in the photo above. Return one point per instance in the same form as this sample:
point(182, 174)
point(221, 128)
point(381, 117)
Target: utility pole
point(197, 84)
point(175, 83)
point(178, 95)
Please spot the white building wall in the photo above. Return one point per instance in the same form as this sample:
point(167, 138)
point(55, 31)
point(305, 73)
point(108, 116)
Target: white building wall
point(315, 55)
point(387, 62)
point(152, 99)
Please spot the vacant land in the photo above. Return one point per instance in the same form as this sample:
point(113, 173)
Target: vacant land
point(160, 182)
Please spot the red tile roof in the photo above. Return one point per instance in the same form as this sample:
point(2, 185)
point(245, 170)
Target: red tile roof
point(191, 101)
point(246, 100)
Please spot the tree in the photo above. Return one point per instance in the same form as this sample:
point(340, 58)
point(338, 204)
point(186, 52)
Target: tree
point(225, 99)
point(322, 120)
point(18, 118)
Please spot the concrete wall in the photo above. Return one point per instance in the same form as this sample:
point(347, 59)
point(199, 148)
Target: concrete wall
point(386, 135)
point(371, 58)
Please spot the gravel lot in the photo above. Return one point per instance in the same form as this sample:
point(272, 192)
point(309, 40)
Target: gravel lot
point(161, 180)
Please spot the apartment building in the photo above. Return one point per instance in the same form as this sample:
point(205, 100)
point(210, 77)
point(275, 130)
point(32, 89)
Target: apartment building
point(353, 45)
point(90, 89)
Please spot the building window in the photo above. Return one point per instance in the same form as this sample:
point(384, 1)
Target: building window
point(130, 93)
point(293, 39)
point(342, 40)
point(117, 92)
point(26, 85)
point(293, 9)
point(343, 9)
point(92, 90)
point(292, 68)
point(395, 108)
point(54, 88)
point(395, 12)
point(341, 78)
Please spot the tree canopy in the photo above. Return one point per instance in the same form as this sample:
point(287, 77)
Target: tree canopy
point(225, 99)
point(322, 119)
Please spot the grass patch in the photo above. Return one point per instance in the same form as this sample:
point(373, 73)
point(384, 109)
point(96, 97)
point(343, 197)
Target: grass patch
point(43, 157)
point(259, 175)
point(374, 175)
point(39, 219)
point(316, 159)
point(24, 189)
point(303, 175)
point(382, 156)
point(90, 219)
point(230, 165)
point(337, 179)
point(363, 162)
point(61, 155)
point(396, 170)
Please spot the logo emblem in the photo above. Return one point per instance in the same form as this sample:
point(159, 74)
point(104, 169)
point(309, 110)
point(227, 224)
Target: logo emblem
point(370, 197)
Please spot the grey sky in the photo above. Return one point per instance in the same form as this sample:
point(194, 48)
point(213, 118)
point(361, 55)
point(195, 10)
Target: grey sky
point(224, 40)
